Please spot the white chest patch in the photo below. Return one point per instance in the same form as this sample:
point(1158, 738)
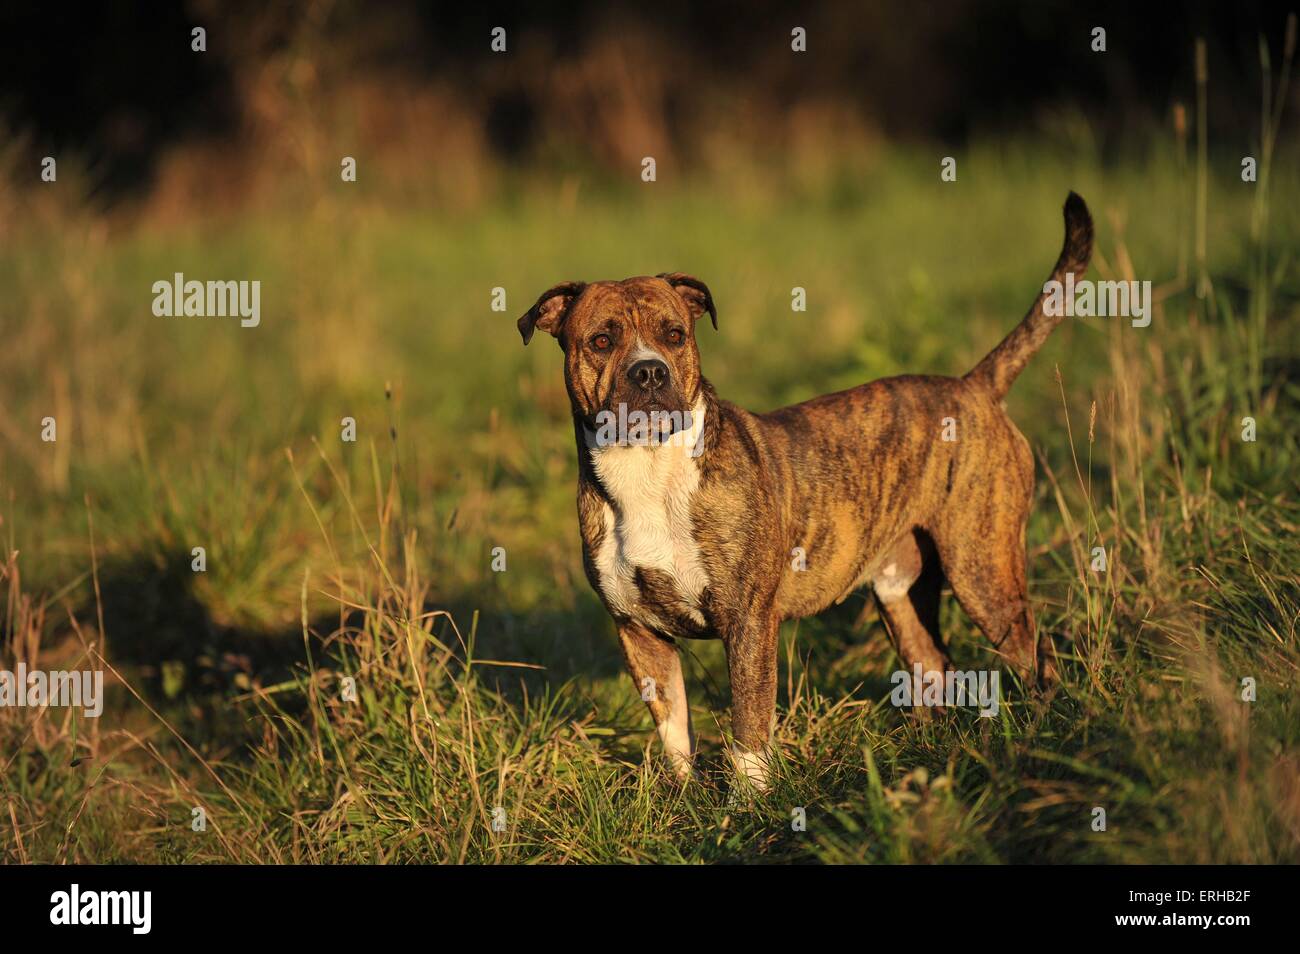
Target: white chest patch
point(648, 523)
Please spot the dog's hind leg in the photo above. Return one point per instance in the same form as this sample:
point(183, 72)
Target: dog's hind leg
point(988, 578)
point(656, 670)
point(981, 545)
point(907, 588)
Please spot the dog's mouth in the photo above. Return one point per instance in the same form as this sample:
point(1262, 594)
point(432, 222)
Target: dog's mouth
point(645, 422)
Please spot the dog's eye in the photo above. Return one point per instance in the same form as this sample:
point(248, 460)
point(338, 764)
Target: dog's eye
point(602, 342)
point(676, 336)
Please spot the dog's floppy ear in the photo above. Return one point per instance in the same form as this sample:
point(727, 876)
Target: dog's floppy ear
point(694, 292)
point(548, 314)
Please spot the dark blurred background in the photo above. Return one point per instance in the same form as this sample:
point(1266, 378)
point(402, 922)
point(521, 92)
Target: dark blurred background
point(117, 83)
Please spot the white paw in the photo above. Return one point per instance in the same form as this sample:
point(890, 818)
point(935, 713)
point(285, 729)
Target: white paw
point(753, 768)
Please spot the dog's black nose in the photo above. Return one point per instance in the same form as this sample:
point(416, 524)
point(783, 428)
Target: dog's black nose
point(649, 374)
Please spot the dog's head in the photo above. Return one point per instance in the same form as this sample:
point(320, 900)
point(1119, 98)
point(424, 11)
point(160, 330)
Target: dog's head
point(628, 343)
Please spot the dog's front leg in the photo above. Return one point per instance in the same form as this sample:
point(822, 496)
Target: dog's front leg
point(751, 662)
point(657, 671)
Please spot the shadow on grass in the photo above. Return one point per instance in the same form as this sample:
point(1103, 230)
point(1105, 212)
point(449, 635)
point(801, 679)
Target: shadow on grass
point(156, 625)
point(159, 629)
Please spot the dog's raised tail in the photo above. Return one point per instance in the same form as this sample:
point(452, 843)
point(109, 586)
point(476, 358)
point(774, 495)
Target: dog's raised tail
point(1001, 366)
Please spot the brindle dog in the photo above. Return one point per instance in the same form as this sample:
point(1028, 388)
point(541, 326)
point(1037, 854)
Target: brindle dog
point(721, 523)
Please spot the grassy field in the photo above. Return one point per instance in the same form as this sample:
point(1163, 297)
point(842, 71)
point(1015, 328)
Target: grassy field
point(479, 691)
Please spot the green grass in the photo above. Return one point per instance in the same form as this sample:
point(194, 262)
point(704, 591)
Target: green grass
point(478, 690)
